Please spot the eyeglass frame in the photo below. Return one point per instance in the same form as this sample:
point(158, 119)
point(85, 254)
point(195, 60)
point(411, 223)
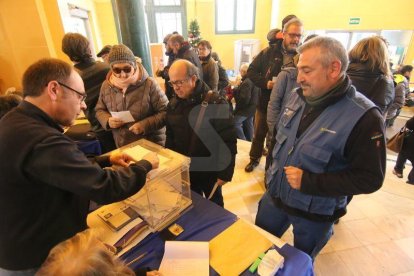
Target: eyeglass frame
point(83, 95)
point(124, 69)
point(293, 36)
point(178, 83)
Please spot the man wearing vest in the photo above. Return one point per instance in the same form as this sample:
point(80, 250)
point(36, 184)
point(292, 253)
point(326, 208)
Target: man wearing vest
point(329, 146)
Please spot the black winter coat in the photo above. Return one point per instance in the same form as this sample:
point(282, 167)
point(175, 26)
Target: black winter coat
point(374, 85)
point(186, 52)
point(216, 138)
point(93, 75)
point(266, 65)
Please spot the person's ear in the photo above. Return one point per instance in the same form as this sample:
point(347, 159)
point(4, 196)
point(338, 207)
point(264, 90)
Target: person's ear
point(336, 68)
point(52, 90)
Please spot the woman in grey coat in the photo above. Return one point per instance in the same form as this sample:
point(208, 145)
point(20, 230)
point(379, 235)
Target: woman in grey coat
point(129, 88)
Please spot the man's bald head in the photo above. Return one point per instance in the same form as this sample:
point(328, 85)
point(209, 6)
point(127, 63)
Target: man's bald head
point(183, 77)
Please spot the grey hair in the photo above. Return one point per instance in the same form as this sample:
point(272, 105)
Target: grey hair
point(332, 50)
point(294, 21)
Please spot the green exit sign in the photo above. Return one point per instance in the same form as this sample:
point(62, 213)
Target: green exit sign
point(354, 20)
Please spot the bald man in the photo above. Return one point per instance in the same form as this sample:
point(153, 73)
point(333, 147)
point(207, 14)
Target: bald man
point(200, 125)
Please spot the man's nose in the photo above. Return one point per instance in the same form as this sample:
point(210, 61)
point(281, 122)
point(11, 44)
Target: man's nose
point(83, 105)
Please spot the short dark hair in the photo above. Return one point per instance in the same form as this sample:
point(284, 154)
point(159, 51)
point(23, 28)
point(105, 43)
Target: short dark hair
point(40, 73)
point(205, 43)
point(8, 102)
point(76, 46)
point(406, 68)
point(287, 19)
point(105, 50)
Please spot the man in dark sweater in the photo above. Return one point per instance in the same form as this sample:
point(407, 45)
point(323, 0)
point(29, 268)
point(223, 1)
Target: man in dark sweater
point(200, 125)
point(45, 181)
point(93, 74)
point(329, 146)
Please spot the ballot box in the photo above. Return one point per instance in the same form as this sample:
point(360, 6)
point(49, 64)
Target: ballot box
point(164, 198)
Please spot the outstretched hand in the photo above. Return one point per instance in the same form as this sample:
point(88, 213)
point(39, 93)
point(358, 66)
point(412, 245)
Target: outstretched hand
point(121, 159)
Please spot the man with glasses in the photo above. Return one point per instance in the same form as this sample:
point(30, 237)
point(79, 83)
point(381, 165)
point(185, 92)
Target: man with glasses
point(46, 182)
point(199, 125)
point(262, 71)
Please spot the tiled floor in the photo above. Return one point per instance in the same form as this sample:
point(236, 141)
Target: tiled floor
point(375, 237)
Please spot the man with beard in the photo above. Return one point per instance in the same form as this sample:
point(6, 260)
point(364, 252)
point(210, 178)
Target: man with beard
point(261, 72)
point(169, 91)
point(182, 50)
point(329, 146)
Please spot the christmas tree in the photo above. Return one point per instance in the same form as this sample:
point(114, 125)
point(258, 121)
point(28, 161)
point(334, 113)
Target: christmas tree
point(194, 33)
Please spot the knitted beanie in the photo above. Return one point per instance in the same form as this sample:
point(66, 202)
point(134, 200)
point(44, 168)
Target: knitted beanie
point(121, 54)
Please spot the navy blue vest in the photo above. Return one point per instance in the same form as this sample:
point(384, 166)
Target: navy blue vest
point(320, 149)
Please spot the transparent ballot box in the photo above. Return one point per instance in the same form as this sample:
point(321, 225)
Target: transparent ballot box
point(165, 196)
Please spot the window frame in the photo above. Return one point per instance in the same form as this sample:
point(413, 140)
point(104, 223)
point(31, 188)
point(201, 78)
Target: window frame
point(234, 31)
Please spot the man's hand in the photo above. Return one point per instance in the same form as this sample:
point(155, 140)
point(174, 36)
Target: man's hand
point(137, 128)
point(270, 85)
point(120, 159)
point(152, 157)
point(115, 122)
point(221, 182)
point(294, 177)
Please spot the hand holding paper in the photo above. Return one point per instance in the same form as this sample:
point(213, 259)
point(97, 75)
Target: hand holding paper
point(115, 122)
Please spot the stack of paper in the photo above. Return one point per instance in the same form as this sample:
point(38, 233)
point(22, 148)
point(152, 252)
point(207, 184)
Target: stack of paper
point(182, 258)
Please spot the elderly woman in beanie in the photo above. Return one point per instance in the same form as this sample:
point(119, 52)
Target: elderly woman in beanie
point(129, 88)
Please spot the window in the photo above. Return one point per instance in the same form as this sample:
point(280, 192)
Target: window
point(235, 16)
point(165, 17)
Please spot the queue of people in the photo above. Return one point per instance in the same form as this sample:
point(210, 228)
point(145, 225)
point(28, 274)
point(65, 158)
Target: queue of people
point(296, 97)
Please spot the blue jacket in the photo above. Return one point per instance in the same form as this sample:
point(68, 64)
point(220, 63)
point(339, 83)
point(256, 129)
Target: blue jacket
point(285, 83)
point(318, 150)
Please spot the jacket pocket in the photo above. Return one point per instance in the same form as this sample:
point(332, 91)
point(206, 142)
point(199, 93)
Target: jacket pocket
point(313, 158)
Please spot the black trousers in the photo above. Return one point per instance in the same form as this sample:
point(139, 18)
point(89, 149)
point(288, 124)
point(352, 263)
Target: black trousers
point(203, 182)
point(400, 164)
point(259, 136)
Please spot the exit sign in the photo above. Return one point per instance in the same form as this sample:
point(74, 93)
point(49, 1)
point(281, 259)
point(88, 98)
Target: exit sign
point(354, 20)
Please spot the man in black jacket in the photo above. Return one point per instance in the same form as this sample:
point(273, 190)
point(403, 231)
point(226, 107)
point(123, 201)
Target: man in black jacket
point(45, 181)
point(93, 74)
point(182, 50)
point(199, 125)
point(261, 72)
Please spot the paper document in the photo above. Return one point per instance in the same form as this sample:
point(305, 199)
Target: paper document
point(240, 242)
point(125, 116)
point(185, 258)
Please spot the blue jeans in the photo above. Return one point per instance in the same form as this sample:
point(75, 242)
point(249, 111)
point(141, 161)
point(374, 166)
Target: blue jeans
point(244, 127)
point(309, 236)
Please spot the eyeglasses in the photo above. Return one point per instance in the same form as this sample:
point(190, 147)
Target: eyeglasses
point(126, 69)
point(178, 83)
point(82, 94)
point(292, 35)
